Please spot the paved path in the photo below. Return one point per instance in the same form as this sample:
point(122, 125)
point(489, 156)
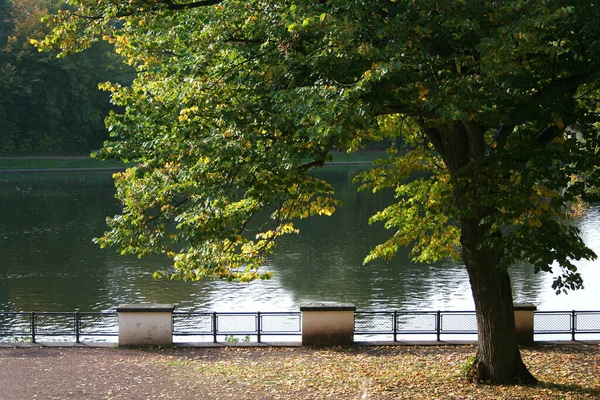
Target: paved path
point(101, 373)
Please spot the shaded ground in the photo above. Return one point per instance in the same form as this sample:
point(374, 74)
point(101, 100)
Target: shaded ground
point(399, 372)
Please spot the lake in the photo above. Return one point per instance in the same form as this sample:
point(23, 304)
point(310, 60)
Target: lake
point(49, 263)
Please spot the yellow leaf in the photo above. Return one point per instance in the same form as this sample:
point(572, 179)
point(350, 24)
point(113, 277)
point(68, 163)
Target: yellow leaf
point(559, 123)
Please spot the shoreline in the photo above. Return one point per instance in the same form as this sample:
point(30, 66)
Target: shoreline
point(120, 169)
point(291, 345)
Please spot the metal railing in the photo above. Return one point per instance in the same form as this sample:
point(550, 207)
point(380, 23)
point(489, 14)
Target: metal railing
point(230, 324)
point(566, 322)
point(31, 326)
point(28, 326)
point(396, 323)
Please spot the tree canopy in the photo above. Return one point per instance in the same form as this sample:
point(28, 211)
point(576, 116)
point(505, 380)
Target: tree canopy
point(237, 102)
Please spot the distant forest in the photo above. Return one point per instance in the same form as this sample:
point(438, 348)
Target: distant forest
point(51, 106)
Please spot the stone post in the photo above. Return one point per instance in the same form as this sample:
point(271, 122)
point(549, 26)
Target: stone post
point(524, 322)
point(145, 324)
point(327, 324)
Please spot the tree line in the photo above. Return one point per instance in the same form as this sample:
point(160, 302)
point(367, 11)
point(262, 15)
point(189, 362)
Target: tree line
point(50, 105)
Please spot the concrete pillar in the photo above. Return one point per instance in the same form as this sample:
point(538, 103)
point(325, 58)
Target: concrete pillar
point(145, 324)
point(524, 322)
point(327, 324)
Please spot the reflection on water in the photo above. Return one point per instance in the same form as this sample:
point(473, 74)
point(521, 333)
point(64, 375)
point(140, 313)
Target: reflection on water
point(586, 299)
point(48, 261)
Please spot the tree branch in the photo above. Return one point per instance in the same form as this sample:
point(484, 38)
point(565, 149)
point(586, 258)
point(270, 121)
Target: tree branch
point(547, 135)
point(434, 135)
point(568, 84)
point(322, 156)
point(390, 109)
point(176, 205)
point(153, 6)
point(172, 5)
point(502, 135)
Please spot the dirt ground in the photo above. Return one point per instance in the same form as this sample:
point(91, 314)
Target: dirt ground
point(392, 372)
point(107, 373)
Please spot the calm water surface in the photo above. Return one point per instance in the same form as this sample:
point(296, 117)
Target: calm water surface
point(49, 263)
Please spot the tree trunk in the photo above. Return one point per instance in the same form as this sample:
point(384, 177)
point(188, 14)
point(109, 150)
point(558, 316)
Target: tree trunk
point(498, 359)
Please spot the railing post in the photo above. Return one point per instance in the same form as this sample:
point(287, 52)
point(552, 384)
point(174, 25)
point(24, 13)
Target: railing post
point(524, 322)
point(214, 326)
point(145, 324)
point(573, 324)
point(77, 320)
point(173, 324)
point(327, 324)
point(33, 327)
point(438, 324)
point(258, 326)
point(395, 321)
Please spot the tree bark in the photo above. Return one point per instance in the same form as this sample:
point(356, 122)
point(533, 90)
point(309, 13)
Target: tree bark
point(498, 359)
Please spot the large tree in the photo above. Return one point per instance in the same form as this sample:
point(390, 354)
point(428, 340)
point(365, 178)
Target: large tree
point(237, 102)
